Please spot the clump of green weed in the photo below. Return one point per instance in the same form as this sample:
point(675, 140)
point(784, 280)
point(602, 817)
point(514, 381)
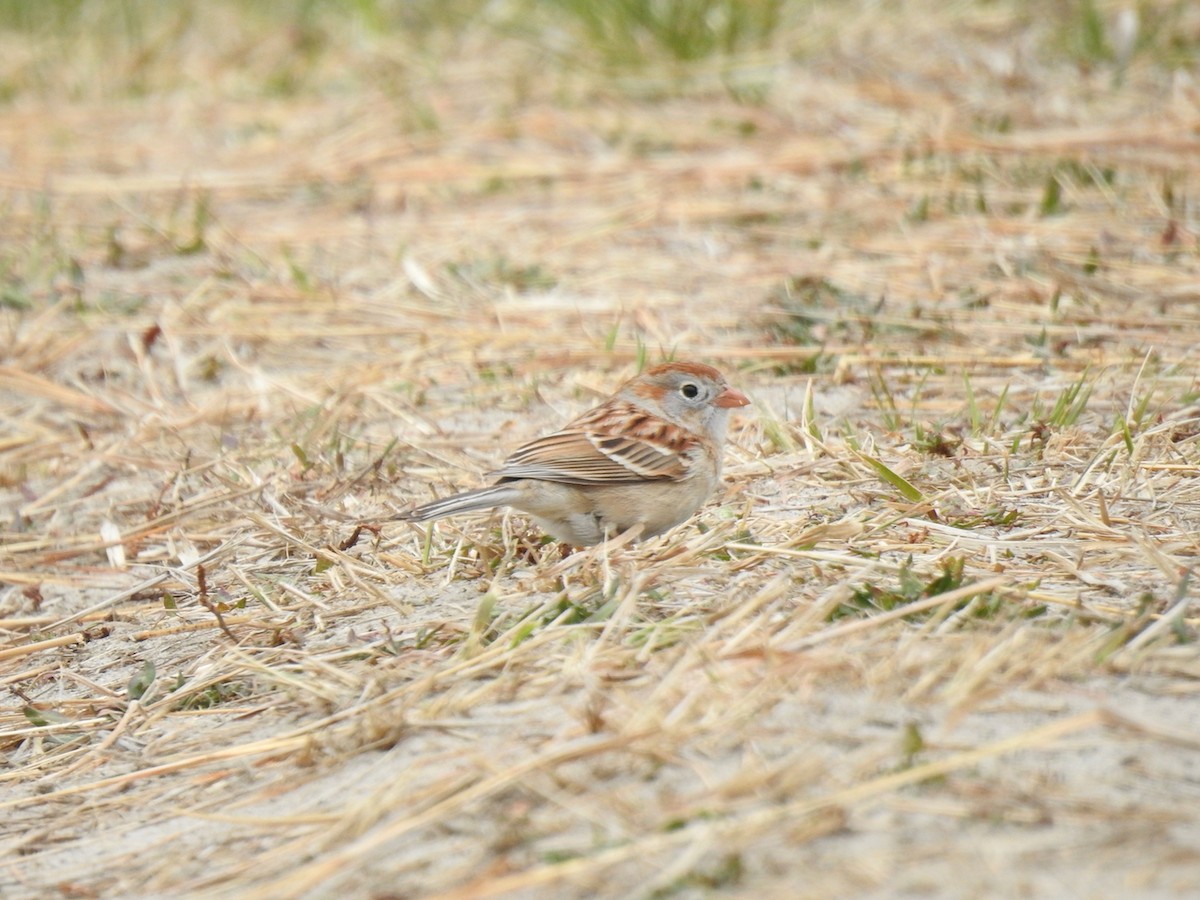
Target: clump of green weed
point(912, 586)
point(633, 32)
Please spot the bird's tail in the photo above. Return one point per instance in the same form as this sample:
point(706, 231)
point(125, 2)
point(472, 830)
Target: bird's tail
point(470, 501)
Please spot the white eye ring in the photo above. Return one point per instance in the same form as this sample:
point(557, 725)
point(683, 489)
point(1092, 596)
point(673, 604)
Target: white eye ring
point(690, 390)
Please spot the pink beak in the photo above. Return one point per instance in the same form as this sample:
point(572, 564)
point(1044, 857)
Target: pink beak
point(731, 397)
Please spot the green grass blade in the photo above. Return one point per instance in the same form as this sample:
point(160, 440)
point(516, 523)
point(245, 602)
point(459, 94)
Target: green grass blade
point(905, 487)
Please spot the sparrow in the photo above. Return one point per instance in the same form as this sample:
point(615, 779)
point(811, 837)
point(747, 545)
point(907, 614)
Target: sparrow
point(649, 456)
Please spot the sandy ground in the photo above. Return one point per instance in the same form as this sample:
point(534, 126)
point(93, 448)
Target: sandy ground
point(936, 636)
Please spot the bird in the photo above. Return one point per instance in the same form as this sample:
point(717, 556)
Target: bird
point(649, 456)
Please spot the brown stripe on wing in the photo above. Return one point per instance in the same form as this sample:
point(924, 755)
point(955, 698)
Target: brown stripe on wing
point(635, 423)
point(585, 453)
point(566, 456)
point(647, 460)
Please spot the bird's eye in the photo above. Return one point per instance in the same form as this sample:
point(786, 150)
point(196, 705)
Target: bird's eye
point(689, 390)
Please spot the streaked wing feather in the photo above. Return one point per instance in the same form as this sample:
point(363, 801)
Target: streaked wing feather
point(582, 456)
point(645, 459)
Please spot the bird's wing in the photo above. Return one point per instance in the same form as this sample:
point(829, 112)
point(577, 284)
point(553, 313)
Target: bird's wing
point(591, 451)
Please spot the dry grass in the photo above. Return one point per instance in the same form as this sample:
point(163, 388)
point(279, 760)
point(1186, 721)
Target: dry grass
point(937, 636)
